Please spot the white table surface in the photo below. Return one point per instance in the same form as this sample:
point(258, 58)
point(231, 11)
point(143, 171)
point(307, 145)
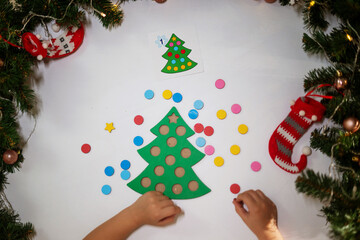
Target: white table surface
point(254, 46)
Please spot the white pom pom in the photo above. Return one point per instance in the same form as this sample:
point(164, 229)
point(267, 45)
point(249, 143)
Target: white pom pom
point(306, 150)
point(314, 118)
point(39, 57)
point(38, 36)
point(45, 45)
point(55, 27)
point(292, 102)
point(302, 113)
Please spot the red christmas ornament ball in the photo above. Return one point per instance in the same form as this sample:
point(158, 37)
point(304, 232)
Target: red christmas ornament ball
point(160, 1)
point(270, 1)
point(10, 157)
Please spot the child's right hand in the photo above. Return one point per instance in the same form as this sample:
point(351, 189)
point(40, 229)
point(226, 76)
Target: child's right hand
point(154, 208)
point(261, 216)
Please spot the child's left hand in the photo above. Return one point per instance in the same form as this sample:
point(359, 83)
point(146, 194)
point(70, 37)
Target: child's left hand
point(154, 208)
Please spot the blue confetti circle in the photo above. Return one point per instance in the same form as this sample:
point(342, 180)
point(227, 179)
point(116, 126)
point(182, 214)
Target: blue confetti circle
point(198, 104)
point(125, 175)
point(138, 141)
point(176, 48)
point(193, 114)
point(109, 171)
point(106, 189)
point(182, 60)
point(173, 61)
point(200, 142)
point(149, 94)
point(177, 97)
point(125, 164)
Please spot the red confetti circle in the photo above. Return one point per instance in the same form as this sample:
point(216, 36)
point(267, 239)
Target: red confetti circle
point(169, 54)
point(138, 120)
point(208, 131)
point(183, 51)
point(177, 55)
point(85, 148)
point(198, 128)
point(235, 188)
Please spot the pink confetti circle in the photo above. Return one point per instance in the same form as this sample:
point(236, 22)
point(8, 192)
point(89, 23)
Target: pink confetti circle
point(220, 84)
point(171, 44)
point(255, 166)
point(178, 42)
point(236, 108)
point(209, 150)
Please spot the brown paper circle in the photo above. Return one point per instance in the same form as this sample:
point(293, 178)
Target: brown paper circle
point(146, 182)
point(164, 129)
point(170, 160)
point(177, 189)
point(155, 151)
point(171, 142)
point(180, 130)
point(185, 152)
point(179, 172)
point(159, 170)
point(160, 187)
point(193, 186)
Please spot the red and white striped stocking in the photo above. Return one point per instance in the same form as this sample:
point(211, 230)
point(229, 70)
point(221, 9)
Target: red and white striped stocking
point(303, 113)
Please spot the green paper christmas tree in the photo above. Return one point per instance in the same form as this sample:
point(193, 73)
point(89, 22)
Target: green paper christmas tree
point(177, 56)
point(171, 157)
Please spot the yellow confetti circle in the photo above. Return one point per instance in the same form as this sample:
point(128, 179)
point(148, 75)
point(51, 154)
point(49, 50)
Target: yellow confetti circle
point(167, 94)
point(168, 68)
point(221, 114)
point(189, 64)
point(243, 129)
point(235, 149)
point(219, 161)
point(175, 68)
point(182, 66)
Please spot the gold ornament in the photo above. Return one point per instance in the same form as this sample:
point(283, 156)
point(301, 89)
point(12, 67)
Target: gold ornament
point(356, 159)
point(340, 83)
point(351, 124)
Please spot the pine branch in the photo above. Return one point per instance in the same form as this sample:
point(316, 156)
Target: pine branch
point(12, 229)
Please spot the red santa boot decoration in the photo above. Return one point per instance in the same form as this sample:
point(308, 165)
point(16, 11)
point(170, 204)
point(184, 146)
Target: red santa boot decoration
point(303, 113)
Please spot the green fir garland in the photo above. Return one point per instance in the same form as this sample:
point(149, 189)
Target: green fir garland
point(339, 189)
point(16, 76)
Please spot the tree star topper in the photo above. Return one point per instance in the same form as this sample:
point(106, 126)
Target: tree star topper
point(173, 118)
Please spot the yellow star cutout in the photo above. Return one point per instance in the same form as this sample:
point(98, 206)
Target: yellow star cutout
point(173, 118)
point(173, 38)
point(109, 127)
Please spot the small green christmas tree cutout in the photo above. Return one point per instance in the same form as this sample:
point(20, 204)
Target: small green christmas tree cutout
point(177, 56)
point(171, 157)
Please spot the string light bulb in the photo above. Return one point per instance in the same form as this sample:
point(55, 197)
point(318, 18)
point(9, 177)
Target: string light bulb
point(103, 14)
point(312, 3)
point(349, 37)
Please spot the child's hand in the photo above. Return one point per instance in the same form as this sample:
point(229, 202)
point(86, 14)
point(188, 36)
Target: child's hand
point(261, 216)
point(154, 208)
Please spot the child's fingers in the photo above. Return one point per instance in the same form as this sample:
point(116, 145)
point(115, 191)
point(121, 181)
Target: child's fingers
point(170, 211)
point(167, 220)
point(247, 198)
point(239, 208)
